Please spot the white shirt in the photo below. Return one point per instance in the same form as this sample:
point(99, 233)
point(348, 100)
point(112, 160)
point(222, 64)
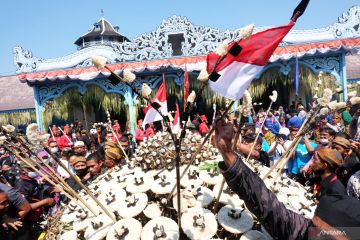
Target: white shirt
point(280, 150)
point(62, 171)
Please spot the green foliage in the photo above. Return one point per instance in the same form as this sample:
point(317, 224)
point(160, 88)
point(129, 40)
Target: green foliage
point(210, 166)
point(71, 100)
point(18, 118)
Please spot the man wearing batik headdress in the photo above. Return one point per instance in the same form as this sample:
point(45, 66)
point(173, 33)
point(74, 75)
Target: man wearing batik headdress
point(113, 155)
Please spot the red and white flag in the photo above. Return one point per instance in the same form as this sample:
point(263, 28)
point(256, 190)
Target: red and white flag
point(234, 73)
point(151, 114)
point(176, 122)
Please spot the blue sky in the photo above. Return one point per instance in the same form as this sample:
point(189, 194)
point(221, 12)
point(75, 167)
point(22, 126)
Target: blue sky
point(48, 28)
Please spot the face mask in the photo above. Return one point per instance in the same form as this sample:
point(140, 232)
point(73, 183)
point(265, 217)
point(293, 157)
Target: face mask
point(54, 149)
point(33, 174)
point(324, 141)
point(81, 172)
point(319, 172)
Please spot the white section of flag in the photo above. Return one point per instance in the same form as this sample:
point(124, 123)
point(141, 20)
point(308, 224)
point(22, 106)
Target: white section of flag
point(235, 79)
point(152, 115)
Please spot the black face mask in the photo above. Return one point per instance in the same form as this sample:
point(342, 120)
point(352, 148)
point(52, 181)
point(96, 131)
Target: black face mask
point(319, 172)
point(81, 172)
point(9, 176)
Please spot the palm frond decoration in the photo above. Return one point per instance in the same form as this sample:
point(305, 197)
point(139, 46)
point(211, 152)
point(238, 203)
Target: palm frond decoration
point(18, 118)
point(63, 108)
point(273, 78)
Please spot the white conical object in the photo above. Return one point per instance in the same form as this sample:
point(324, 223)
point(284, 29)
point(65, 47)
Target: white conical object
point(340, 105)
point(146, 90)
point(203, 75)
point(98, 61)
point(128, 76)
point(352, 94)
point(8, 128)
point(247, 31)
point(355, 100)
point(191, 97)
point(222, 49)
point(326, 97)
point(332, 105)
point(324, 111)
point(274, 96)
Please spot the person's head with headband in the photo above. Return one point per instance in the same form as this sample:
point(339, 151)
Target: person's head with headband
point(112, 154)
point(342, 145)
point(79, 165)
point(326, 160)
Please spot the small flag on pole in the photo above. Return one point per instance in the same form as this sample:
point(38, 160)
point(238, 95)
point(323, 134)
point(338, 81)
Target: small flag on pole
point(151, 114)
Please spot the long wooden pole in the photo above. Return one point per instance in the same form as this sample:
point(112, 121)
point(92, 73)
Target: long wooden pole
point(65, 134)
point(18, 156)
point(78, 181)
point(287, 158)
point(258, 134)
point(200, 147)
point(223, 180)
point(59, 179)
point(117, 139)
point(299, 133)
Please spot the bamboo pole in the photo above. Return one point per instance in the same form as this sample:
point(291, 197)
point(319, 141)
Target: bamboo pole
point(65, 135)
point(52, 134)
point(18, 156)
point(287, 158)
point(117, 139)
point(299, 133)
point(258, 134)
point(59, 179)
point(77, 180)
point(200, 147)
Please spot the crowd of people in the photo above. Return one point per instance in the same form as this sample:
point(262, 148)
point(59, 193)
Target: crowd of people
point(326, 160)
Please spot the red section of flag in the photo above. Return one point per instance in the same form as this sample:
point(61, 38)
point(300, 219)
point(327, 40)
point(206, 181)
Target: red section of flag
point(186, 85)
point(257, 50)
point(146, 109)
point(161, 93)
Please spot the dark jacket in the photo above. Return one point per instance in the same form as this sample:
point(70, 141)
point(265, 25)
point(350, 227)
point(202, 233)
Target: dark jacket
point(334, 210)
point(331, 185)
point(280, 222)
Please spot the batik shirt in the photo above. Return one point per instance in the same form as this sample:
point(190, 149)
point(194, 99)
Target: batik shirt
point(353, 185)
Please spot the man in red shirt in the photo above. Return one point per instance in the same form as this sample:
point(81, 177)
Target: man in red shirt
point(203, 128)
point(140, 133)
point(65, 140)
point(149, 130)
point(117, 129)
point(56, 136)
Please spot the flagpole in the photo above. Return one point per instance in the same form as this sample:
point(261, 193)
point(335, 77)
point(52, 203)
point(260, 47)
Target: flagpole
point(173, 137)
